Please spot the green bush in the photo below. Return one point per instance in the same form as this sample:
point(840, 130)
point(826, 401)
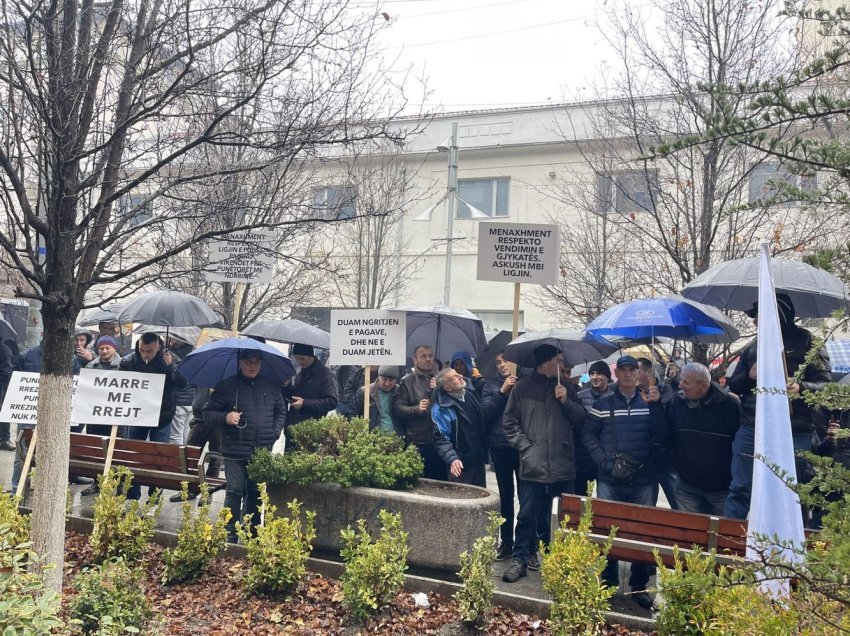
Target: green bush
point(702, 598)
point(572, 575)
point(122, 527)
point(17, 525)
point(475, 598)
point(199, 540)
point(26, 607)
point(374, 571)
point(277, 550)
point(110, 600)
point(335, 450)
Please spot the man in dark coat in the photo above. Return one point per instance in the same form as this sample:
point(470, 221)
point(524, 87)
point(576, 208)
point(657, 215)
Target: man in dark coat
point(5, 375)
point(600, 384)
point(703, 420)
point(460, 427)
point(251, 412)
point(412, 411)
point(381, 395)
point(183, 397)
point(313, 391)
point(797, 343)
point(539, 420)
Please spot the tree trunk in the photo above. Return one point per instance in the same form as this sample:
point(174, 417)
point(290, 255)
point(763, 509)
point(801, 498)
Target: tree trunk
point(54, 407)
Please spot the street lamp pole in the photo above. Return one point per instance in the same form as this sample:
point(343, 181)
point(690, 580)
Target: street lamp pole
point(451, 204)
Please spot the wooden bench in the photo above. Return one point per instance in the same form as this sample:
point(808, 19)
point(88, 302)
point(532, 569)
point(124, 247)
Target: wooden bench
point(152, 463)
point(642, 529)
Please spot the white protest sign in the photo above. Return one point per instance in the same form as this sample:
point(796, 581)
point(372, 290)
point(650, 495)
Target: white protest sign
point(20, 406)
point(242, 257)
point(118, 397)
point(368, 336)
point(518, 253)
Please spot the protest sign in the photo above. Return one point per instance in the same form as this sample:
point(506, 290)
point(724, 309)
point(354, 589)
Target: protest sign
point(124, 398)
point(518, 253)
point(242, 257)
point(368, 336)
point(20, 406)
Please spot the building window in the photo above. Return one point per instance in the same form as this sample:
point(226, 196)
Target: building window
point(627, 191)
point(769, 182)
point(335, 202)
point(496, 320)
point(489, 196)
point(133, 205)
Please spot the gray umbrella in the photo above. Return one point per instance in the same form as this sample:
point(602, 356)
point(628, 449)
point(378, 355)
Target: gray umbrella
point(109, 313)
point(577, 347)
point(446, 329)
point(290, 330)
point(188, 335)
point(734, 285)
point(169, 309)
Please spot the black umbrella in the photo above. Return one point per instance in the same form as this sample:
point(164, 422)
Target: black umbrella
point(576, 347)
point(169, 309)
point(290, 330)
point(109, 313)
point(486, 361)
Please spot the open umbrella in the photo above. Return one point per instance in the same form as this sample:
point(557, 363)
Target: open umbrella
point(215, 361)
point(734, 285)
point(446, 329)
point(186, 334)
point(290, 330)
point(169, 309)
point(576, 347)
point(485, 362)
point(667, 316)
point(109, 313)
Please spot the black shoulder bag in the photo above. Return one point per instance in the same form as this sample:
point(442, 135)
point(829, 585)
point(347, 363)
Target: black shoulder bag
point(625, 467)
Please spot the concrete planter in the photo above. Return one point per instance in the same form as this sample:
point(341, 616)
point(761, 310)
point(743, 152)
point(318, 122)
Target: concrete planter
point(443, 519)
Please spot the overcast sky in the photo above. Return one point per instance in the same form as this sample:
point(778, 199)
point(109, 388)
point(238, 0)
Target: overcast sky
point(480, 54)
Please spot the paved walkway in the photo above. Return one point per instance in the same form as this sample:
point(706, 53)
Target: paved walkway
point(529, 587)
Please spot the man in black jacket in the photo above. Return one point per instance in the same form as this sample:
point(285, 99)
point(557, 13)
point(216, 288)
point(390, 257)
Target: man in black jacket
point(251, 412)
point(539, 421)
point(797, 343)
point(313, 391)
point(5, 376)
point(704, 420)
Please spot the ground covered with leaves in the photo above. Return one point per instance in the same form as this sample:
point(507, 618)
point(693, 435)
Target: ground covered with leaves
point(216, 605)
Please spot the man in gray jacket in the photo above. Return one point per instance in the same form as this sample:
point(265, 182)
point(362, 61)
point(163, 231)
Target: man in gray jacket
point(539, 421)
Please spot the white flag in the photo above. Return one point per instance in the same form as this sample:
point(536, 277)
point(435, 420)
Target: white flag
point(774, 508)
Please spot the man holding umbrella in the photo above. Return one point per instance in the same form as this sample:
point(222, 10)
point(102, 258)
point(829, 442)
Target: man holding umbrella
point(251, 411)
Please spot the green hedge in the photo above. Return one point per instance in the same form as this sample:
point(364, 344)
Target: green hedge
point(335, 450)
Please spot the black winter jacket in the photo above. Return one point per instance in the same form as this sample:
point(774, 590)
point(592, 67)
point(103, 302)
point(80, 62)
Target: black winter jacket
point(317, 386)
point(642, 429)
point(263, 414)
point(374, 406)
point(468, 422)
point(541, 429)
point(491, 391)
point(797, 342)
point(418, 427)
point(584, 462)
point(134, 362)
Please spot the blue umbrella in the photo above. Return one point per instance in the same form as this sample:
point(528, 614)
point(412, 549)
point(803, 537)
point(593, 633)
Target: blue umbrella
point(215, 361)
point(665, 316)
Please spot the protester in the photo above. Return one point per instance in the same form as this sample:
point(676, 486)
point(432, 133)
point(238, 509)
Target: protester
point(355, 382)
point(539, 420)
point(343, 374)
point(412, 411)
point(312, 392)
point(797, 343)
point(5, 376)
point(621, 433)
point(381, 394)
point(703, 420)
point(667, 478)
point(462, 363)
point(250, 410)
point(201, 434)
point(600, 384)
point(149, 357)
point(460, 427)
point(82, 340)
point(183, 396)
point(504, 457)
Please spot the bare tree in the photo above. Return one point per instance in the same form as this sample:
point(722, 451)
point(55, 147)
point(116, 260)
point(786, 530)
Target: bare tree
point(679, 213)
point(106, 101)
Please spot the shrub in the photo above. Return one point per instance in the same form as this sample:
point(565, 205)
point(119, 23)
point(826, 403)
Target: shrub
point(374, 572)
point(17, 525)
point(572, 575)
point(335, 450)
point(110, 600)
point(702, 598)
point(122, 527)
point(26, 607)
point(276, 551)
point(198, 541)
point(475, 598)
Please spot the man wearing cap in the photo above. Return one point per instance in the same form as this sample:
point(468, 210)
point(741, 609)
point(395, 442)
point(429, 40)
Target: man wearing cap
point(539, 421)
point(797, 343)
point(251, 412)
point(600, 384)
point(622, 430)
point(313, 391)
point(381, 394)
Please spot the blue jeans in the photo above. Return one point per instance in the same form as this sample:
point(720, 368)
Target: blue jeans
point(241, 495)
point(707, 502)
point(743, 449)
point(668, 479)
point(639, 494)
point(535, 506)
